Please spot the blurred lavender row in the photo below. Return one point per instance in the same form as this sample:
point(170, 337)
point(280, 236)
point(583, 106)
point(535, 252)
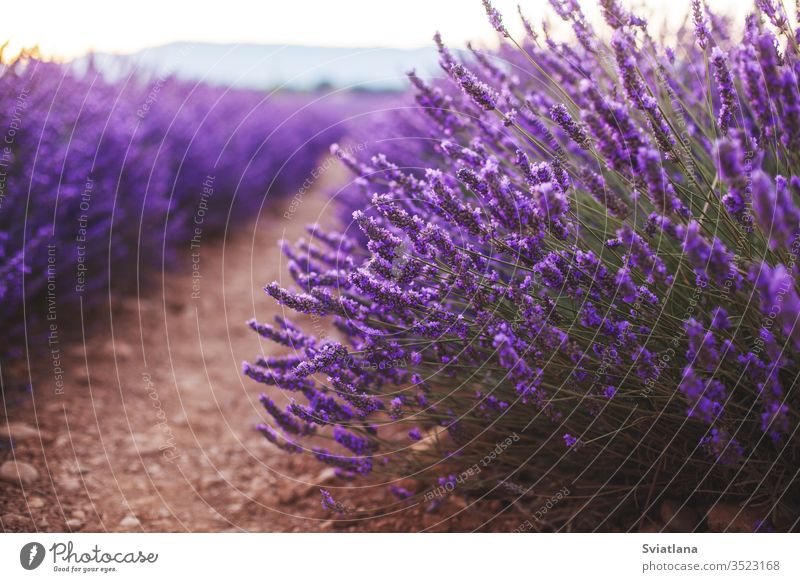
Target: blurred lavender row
point(104, 181)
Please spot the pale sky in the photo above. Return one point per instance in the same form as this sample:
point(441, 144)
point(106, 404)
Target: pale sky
point(68, 28)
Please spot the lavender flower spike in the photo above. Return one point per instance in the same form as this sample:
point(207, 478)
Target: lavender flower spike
point(727, 94)
point(701, 31)
point(775, 209)
point(495, 18)
point(561, 116)
point(483, 95)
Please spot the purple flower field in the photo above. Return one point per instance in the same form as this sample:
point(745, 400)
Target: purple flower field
point(552, 287)
point(104, 182)
point(596, 252)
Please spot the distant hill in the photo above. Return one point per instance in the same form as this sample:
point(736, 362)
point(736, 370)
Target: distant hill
point(266, 66)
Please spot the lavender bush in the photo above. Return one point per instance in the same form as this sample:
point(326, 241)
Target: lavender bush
point(597, 266)
point(102, 180)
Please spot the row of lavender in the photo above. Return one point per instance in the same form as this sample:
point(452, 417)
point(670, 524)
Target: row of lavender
point(102, 182)
point(591, 282)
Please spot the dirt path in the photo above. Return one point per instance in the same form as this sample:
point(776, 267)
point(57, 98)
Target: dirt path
point(153, 430)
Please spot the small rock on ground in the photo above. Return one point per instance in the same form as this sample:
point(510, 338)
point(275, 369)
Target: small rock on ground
point(18, 472)
point(35, 502)
point(68, 484)
point(130, 521)
point(18, 431)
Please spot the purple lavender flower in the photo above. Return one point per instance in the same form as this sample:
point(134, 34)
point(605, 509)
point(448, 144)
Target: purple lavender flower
point(321, 359)
point(286, 421)
point(775, 210)
point(662, 193)
point(643, 257)
point(329, 503)
point(701, 31)
point(637, 90)
point(774, 11)
point(775, 420)
point(705, 398)
point(779, 297)
point(720, 444)
point(720, 319)
point(732, 166)
point(755, 89)
point(727, 93)
point(596, 186)
point(703, 346)
point(359, 465)
point(495, 18)
point(396, 407)
point(282, 443)
point(616, 17)
point(355, 443)
point(483, 95)
point(527, 25)
point(709, 260)
point(561, 116)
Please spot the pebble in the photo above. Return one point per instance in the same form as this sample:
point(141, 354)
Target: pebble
point(326, 476)
point(122, 350)
point(18, 431)
point(62, 441)
point(74, 523)
point(79, 514)
point(130, 521)
point(147, 446)
point(18, 472)
point(68, 484)
point(155, 470)
point(35, 502)
point(211, 480)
